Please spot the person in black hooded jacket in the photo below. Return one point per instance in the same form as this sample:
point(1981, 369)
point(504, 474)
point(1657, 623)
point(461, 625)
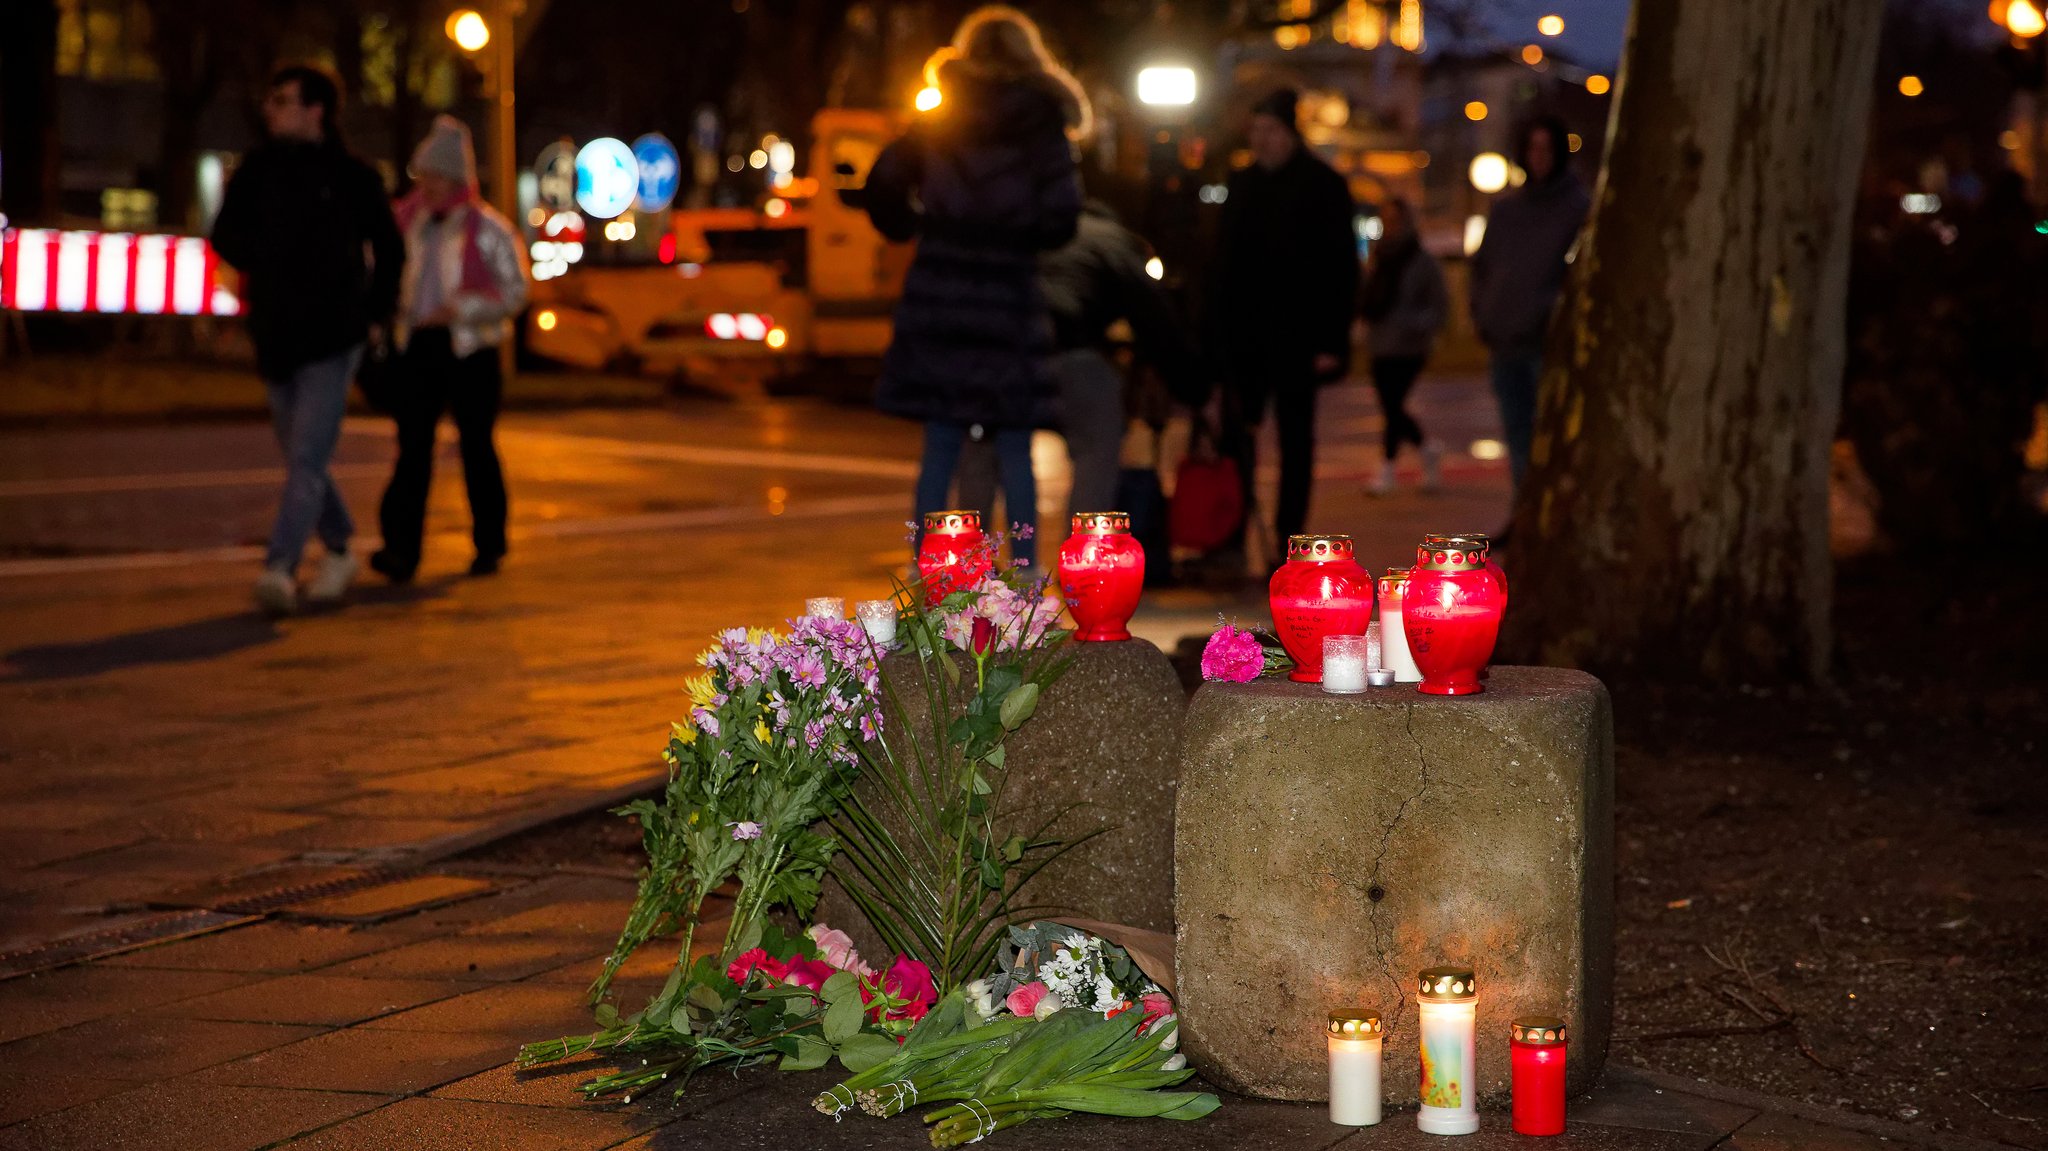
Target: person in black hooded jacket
point(984, 182)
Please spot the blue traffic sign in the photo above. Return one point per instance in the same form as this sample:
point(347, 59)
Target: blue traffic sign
point(661, 171)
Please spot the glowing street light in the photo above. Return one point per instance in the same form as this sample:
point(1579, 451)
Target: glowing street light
point(467, 28)
point(928, 97)
point(1489, 172)
point(2023, 18)
point(1597, 84)
point(1552, 25)
point(1910, 86)
point(1532, 55)
point(1475, 111)
point(1166, 85)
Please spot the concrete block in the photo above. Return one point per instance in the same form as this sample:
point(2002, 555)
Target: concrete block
point(1106, 736)
point(1328, 848)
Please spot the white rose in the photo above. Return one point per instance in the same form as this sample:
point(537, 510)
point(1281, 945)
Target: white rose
point(1046, 1006)
point(1175, 1063)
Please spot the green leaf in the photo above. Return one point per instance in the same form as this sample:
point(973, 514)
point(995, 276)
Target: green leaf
point(764, 1020)
point(811, 1054)
point(867, 1050)
point(607, 1016)
point(1018, 706)
point(749, 939)
point(706, 996)
point(841, 987)
point(1013, 848)
point(996, 757)
point(842, 1020)
point(992, 874)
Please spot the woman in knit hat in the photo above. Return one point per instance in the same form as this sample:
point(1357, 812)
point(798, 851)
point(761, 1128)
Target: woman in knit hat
point(465, 280)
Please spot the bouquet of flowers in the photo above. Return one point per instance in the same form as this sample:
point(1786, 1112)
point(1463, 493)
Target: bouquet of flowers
point(1066, 1037)
point(1241, 655)
point(802, 999)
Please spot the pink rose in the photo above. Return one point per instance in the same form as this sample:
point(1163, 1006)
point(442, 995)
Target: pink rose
point(1024, 1001)
point(1233, 655)
point(837, 948)
point(1158, 1005)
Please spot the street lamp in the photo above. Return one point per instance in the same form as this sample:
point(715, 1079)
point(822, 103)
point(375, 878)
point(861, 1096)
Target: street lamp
point(1552, 25)
point(1166, 86)
point(467, 28)
point(2023, 18)
point(1489, 172)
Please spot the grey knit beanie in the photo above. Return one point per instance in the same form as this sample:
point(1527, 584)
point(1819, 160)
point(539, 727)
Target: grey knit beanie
point(446, 151)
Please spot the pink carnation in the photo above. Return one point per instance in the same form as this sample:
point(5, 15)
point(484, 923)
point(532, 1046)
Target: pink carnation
point(837, 948)
point(749, 961)
point(1233, 655)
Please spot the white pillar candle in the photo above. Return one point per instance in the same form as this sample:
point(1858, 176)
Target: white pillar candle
point(878, 618)
point(825, 607)
point(1448, 1006)
point(1355, 1067)
point(1344, 664)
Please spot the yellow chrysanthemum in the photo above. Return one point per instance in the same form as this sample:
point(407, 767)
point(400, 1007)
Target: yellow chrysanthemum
point(704, 657)
point(700, 689)
point(684, 733)
point(761, 732)
point(755, 635)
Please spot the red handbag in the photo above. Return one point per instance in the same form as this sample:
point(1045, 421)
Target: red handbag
point(1208, 501)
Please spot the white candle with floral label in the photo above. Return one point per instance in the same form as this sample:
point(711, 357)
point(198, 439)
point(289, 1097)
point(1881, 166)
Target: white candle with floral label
point(1448, 1004)
point(1355, 1067)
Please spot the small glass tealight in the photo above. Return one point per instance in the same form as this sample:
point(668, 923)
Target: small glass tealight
point(878, 618)
point(825, 607)
point(1344, 664)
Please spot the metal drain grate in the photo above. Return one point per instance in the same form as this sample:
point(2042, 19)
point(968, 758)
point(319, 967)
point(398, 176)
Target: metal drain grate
point(115, 940)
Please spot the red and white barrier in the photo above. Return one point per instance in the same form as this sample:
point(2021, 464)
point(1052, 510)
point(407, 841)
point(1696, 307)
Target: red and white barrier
point(122, 273)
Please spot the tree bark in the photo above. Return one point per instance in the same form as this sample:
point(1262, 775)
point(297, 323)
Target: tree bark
point(1674, 521)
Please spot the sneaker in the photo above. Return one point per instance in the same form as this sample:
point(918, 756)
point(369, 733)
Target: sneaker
point(276, 594)
point(1383, 485)
point(485, 565)
point(1432, 468)
point(330, 583)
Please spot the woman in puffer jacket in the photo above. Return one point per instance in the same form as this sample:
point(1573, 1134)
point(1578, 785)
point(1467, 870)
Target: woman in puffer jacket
point(465, 280)
point(985, 181)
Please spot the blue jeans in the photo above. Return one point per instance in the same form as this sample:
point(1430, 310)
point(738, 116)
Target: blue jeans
point(305, 412)
point(1514, 387)
point(942, 445)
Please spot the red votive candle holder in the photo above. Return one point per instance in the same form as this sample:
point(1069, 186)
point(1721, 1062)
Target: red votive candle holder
point(1319, 591)
point(1102, 573)
point(1484, 543)
point(1451, 612)
point(1536, 1057)
point(953, 555)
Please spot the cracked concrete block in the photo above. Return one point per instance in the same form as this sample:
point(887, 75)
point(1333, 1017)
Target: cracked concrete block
point(1105, 742)
point(1328, 848)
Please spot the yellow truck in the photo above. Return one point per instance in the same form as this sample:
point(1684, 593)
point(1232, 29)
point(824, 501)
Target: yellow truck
point(744, 296)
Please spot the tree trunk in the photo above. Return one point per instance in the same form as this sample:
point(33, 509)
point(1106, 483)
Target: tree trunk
point(1675, 516)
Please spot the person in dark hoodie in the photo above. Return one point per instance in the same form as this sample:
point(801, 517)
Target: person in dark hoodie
point(1285, 291)
point(297, 221)
point(985, 181)
point(1518, 271)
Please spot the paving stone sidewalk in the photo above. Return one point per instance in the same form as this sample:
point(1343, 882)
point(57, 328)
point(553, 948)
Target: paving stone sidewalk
point(399, 1032)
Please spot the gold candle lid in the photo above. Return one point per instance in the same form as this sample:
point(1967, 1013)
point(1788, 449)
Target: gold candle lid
point(1103, 523)
point(1355, 1023)
point(1319, 547)
point(1479, 540)
point(1538, 1030)
point(1449, 556)
point(1448, 985)
point(952, 522)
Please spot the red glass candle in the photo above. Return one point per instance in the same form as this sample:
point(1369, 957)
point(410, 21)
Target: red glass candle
point(1451, 614)
point(953, 556)
point(1536, 1054)
point(1484, 543)
point(1102, 572)
point(1319, 591)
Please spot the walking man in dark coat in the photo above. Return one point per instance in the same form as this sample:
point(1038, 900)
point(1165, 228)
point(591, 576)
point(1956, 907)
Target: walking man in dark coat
point(310, 228)
point(1286, 285)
